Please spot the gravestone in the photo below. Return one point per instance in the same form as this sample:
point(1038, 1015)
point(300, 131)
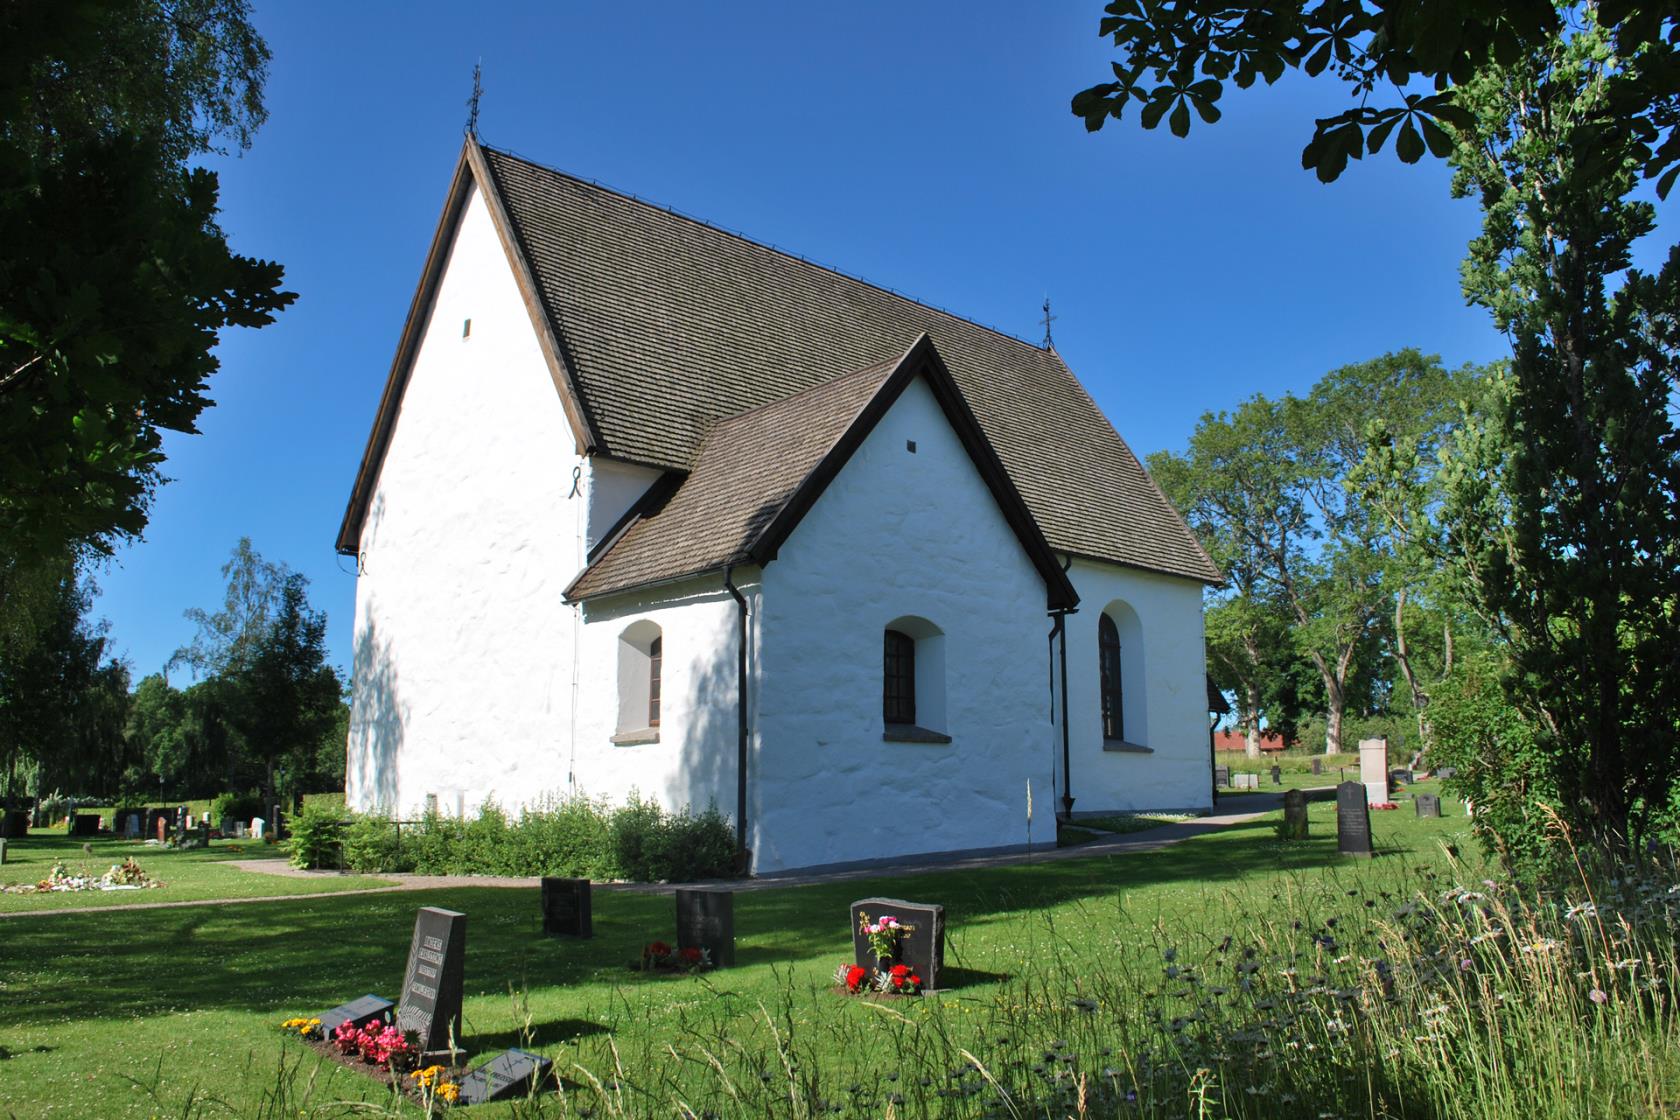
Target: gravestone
point(157, 823)
point(1251, 781)
point(84, 824)
point(921, 946)
point(1353, 820)
point(358, 1013)
point(1295, 815)
point(706, 920)
point(565, 908)
point(1373, 769)
point(1427, 805)
point(1277, 775)
point(162, 829)
point(1318, 766)
point(276, 823)
point(431, 998)
point(2, 852)
point(257, 827)
point(1446, 772)
point(131, 826)
point(509, 1075)
point(1401, 777)
point(14, 823)
point(1222, 775)
point(239, 829)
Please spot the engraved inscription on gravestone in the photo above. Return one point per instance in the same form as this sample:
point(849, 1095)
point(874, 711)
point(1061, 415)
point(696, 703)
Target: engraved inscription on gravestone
point(509, 1075)
point(706, 920)
point(922, 946)
point(1427, 805)
point(431, 997)
point(1295, 815)
point(566, 907)
point(1353, 820)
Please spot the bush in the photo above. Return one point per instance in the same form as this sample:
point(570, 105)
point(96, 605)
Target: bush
point(575, 837)
point(317, 838)
point(237, 806)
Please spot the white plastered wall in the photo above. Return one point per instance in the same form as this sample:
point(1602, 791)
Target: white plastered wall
point(895, 534)
point(1165, 703)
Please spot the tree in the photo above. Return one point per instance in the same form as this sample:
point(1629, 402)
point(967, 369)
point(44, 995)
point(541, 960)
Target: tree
point(1177, 56)
point(114, 277)
point(228, 639)
point(288, 698)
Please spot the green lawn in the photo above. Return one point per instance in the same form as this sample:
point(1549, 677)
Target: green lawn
point(189, 1000)
point(187, 875)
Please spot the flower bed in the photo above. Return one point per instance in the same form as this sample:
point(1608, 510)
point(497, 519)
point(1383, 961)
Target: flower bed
point(124, 876)
point(380, 1051)
point(657, 956)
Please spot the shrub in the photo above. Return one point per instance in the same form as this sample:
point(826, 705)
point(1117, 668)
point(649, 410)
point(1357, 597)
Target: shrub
point(317, 838)
point(651, 845)
point(237, 806)
point(374, 843)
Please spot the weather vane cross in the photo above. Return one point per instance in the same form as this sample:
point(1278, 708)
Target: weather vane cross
point(1048, 319)
point(472, 102)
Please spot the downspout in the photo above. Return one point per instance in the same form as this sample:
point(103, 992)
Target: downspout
point(1067, 772)
point(742, 856)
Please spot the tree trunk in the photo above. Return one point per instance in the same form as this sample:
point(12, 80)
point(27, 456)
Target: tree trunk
point(1402, 655)
point(1251, 747)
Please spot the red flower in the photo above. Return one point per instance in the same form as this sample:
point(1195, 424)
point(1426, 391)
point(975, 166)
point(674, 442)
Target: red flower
point(900, 971)
point(690, 955)
point(657, 949)
point(855, 977)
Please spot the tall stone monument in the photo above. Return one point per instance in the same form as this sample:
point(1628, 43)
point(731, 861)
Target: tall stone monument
point(1373, 769)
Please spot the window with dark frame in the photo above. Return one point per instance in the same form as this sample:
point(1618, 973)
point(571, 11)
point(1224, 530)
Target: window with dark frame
point(898, 679)
point(656, 658)
point(1113, 698)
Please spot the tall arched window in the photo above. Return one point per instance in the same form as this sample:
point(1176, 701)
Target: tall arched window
point(641, 672)
point(898, 678)
point(1113, 682)
point(656, 665)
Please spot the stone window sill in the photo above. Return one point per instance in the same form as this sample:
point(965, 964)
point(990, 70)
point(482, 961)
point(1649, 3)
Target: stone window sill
point(1120, 746)
point(910, 733)
point(634, 738)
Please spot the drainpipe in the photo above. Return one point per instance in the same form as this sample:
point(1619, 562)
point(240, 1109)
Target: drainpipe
point(1067, 772)
point(741, 853)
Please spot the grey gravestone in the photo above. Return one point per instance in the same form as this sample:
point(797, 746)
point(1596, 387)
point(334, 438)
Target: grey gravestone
point(1318, 766)
point(922, 946)
point(1446, 772)
point(1222, 775)
point(1427, 805)
point(1295, 815)
point(1277, 775)
point(131, 825)
point(2, 853)
point(1353, 820)
point(357, 1012)
point(276, 823)
point(706, 920)
point(565, 907)
point(1251, 781)
point(430, 1004)
point(510, 1074)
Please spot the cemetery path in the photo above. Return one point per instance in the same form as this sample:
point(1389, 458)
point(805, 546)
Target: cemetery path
point(1247, 807)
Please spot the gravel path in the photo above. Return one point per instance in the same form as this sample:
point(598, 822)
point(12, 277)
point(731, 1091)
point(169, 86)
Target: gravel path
point(1246, 808)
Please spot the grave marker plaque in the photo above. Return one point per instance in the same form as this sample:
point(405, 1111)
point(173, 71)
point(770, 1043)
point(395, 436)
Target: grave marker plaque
point(1353, 820)
point(358, 1013)
point(430, 1004)
point(1222, 775)
point(1295, 815)
point(1277, 775)
point(922, 946)
point(509, 1075)
point(565, 907)
point(706, 920)
point(1427, 805)
point(1373, 769)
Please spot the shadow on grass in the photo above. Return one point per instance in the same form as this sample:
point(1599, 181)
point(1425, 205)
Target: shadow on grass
point(307, 953)
point(550, 1033)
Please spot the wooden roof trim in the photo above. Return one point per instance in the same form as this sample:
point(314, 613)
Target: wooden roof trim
point(922, 358)
point(470, 170)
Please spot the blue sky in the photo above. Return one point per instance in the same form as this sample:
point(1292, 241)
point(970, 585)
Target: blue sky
point(924, 147)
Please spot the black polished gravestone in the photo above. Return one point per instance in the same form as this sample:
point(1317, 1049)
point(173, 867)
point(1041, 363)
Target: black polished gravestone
point(565, 907)
point(1318, 766)
point(1295, 815)
point(1277, 775)
point(921, 945)
point(430, 1004)
point(1221, 775)
point(1427, 805)
point(1400, 777)
point(510, 1074)
point(84, 824)
point(1353, 820)
point(358, 1013)
point(706, 920)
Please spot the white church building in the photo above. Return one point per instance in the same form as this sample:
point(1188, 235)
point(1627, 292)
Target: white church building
point(650, 507)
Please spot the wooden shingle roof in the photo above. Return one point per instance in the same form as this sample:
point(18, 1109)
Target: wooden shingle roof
point(658, 327)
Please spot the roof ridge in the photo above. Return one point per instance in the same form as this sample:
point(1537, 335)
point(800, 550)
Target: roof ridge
point(630, 196)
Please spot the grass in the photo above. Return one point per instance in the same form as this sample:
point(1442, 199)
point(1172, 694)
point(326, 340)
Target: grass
point(132, 1013)
point(190, 875)
point(1121, 823)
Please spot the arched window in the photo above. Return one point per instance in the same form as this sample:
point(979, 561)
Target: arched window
point(641, 671)
point(898, 678)
point(1113, 682)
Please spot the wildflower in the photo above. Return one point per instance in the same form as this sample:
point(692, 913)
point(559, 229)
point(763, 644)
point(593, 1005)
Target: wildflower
point(1580, 910)
point(1598, 995)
